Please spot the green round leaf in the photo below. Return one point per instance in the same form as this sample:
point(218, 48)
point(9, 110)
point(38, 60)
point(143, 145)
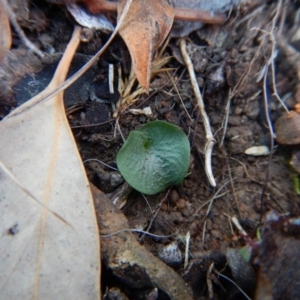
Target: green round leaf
point(154, 157)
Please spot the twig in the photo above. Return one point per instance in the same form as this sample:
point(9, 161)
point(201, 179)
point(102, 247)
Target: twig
point(239, 226)
point(247, 297)
point(155, 214)
point(20, 32)
point(272, 136)
point(273, 28)
point(187, 246)
point(119, 129)
point(210, 140)
point(183, 14)
point(270, 61)
point(254, 13)
point(233, 191)
point(283, 17)
point(10, 175)
point(269, 122)
point(139, 231)
point(216, 196)
point(265, 97)
point(111, 78)
point(210, 202)
point(204, 232)
point(101, 162)
point(209, 282)
point(225, 121)
point(229, 222)
point(150, 208)
point(179, 96)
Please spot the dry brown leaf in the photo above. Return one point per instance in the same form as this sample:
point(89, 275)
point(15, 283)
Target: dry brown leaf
point(145, 27)
point(49, 244)
point(5, 34)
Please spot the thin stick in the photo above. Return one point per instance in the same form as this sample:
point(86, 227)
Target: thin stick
point(210, 202)
point(272, 136)
point(139, 231)
point(225, 121)
point(269, 122)
point(230, 223)
point(209, 281)
point(187, 246)
point(233, 190)
point(101, 162)
point(210, 140)
point(273, 28)
point(204, 232)
point(155, 213)
point(119, 129)
point(239, 226)
point(179, 96)
point(111, 78)
point(19, 30)
point(247, 297)
point(147, 202)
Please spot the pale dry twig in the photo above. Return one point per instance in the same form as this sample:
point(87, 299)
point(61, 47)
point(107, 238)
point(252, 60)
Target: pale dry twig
point(210, 140)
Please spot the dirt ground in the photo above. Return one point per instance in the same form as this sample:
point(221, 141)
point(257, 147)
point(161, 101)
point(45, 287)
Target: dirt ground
point(230, 63)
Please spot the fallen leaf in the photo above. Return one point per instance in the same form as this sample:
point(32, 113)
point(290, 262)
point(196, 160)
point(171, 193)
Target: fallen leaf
point(49, 244)
point(5, 35)
point(145, 28)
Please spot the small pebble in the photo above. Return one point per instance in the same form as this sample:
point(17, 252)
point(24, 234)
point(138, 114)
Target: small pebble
point(239, 172)
point(187, 212)
point(181, 203)
point(216, 234)
point(164, 207)
point(174, 197)
point(188, 183)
